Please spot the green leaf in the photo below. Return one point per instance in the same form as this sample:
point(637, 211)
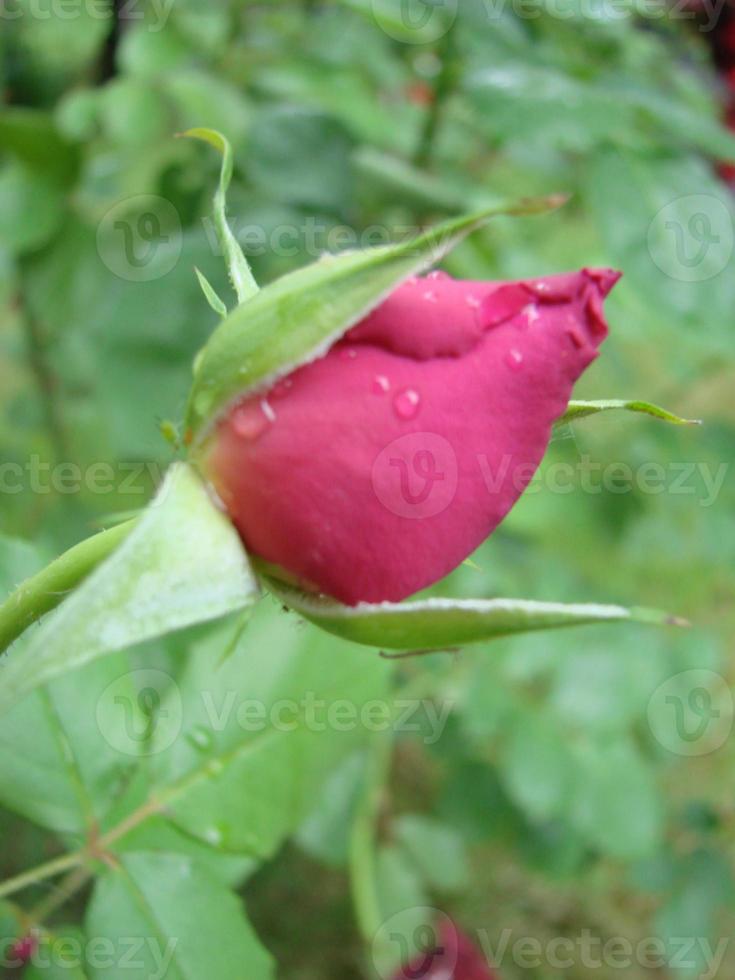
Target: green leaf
point(325, 834)
point(649, 209)
point(300, 156)
point(406, 21)
point(437, 624)
point(702, 888)
point(55, 769)
point(238, 269)
point(580, 410)
point(183, 922)
point(535, 766)
point(260, 732)
point(31, 208)
point(32, 136)
point(110, 336)
point(298, 317)
point(615, 803)
point(182, 564)
point(436, 849)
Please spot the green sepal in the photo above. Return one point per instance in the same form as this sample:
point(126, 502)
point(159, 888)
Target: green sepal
point(182, 563)
point(298, 317)
point(439, 624)
point(238, 269)
point(580, 410)
point(210, 294)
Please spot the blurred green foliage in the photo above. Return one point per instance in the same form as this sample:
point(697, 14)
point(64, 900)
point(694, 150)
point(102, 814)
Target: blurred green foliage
point(560, 796)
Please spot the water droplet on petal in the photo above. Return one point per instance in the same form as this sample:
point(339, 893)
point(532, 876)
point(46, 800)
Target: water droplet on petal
point(550, 292)
point(381, 384)
point(514, 359)
point(429, 296)
point(348, 354)
point(438, 274)
point(531, 312)
point(281, 387)
point(248, 421)
point(267, 410)
point(473, 302)
point(407, 403)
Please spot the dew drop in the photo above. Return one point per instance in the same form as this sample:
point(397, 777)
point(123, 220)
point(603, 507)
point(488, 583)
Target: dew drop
point(429, 296)
point(200, 737)
point(248, 422)
point(348, 354)
point(438, 274)
point(281, 387)
point(531, 313)
point(514, 359)
point(473, 302)
point(407, 403)
point(202, 403)
point(550, 292)
point(267, 410)
point(381, 384)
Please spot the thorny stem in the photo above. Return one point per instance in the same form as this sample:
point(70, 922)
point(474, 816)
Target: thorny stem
point(75, 880)
point(48, 870)
point(77, 862)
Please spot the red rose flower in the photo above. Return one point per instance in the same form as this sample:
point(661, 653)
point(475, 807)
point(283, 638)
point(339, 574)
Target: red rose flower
point(23, 949)
point(455, 958)
point(375, 470)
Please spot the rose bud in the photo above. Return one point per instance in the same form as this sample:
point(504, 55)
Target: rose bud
point(22, 950)
point(455, 958)
point(376, 469)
